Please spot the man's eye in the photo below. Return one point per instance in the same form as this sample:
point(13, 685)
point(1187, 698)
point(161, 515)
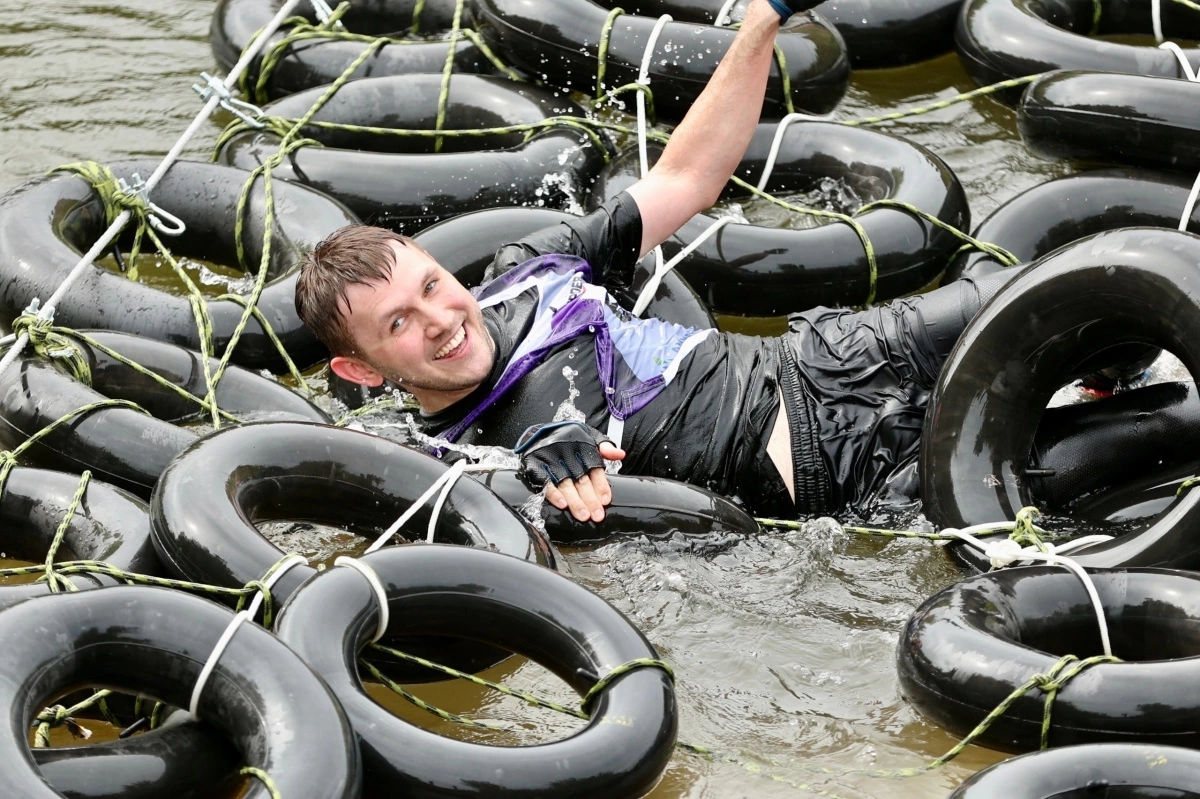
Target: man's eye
point(399, 320)
point(430, 285)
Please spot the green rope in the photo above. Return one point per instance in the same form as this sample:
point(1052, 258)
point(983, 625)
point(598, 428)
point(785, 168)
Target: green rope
point(785, 79)
point(651, 116)
point(416, 17)
point(115, 201)
point(969, 242)
point(264, 778)
point(48, 342)
point(52, 578)
point(57, 714)
point(1187, 4)
point(405, 402)
point(1024, 531)
point(447, 72)
point(490, 55)
point(261, 318)
point(8, 459)
point(602, 49)
point(927, 109)
point(620, 671)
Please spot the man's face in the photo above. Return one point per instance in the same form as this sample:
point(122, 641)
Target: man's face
point(421, 330)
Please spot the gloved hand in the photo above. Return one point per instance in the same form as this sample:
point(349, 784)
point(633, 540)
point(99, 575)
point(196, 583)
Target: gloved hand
point(786, 8)
point(556, 451)
point(563, 455)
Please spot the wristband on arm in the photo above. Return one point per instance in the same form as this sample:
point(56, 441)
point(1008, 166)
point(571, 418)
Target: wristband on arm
point(785, 8)
point(559, 451)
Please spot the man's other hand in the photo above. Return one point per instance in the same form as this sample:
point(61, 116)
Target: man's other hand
point(568, 458)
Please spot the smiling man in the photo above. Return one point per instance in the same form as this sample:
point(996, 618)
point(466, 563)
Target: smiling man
point(541, 358)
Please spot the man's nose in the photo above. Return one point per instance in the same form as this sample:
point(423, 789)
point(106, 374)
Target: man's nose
point(439, 319)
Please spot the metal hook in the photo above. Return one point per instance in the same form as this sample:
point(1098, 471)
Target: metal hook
point(160, 219)
point(247, 112)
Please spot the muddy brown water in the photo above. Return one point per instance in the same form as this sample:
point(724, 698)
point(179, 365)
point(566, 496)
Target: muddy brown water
point(783, 644)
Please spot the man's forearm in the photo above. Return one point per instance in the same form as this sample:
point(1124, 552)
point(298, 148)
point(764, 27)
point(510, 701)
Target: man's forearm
point(708, 144)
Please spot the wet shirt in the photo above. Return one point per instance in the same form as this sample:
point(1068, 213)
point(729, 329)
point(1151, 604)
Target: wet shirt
point(707, 427)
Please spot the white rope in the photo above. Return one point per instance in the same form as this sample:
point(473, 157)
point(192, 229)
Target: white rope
point(722, 18)
point(644, 80)
point(118, 224)
point(288, 563)
point(661, 269)
point(1156, 19)
point(376, 586)
point(455, 472)
point(1007, 552)
point(1192, 76)
point(778, 141)
point(450, 474)
point(1181, 56)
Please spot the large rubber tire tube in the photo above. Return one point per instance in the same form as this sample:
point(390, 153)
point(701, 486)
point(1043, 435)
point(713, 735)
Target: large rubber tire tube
point(1095, 770)
point(1057, 212)
point(320, 61)
point(1130, 120)
point(558, 42)
point(399, 182)
point(466, 245)
point(181, 759)
point(328, 475)
point(649, 506)
point(155, 641)
point(968, 647)
point(758, 271)
point(1002, 39)
point(507, 603)
point(47, 224)
point(878, 33)
point(109, 525)
point(120, 445)
point(1036, 333)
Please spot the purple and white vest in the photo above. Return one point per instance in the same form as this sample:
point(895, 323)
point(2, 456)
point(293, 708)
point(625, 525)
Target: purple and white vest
point(635, 358)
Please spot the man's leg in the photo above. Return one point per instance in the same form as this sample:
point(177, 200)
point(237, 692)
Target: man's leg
point(867, 376)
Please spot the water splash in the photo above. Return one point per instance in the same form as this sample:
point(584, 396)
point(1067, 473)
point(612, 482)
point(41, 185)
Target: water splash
point(567, 412)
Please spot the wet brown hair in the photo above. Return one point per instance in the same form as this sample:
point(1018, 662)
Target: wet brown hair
point(353, 254)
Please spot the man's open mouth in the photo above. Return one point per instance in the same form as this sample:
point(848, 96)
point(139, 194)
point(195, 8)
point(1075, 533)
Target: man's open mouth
point(453, 345)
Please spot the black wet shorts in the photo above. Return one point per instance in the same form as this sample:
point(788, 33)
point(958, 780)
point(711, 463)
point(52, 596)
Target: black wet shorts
point(855, 386)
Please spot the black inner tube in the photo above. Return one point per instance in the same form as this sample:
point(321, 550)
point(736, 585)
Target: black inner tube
point(746, 269)
point(47, 224)
point(561, 625)
point(328, 475)
point(1102, 291)
point(156, 640)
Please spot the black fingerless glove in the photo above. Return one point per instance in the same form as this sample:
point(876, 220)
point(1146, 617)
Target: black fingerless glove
point(786, 8)
point(556, 451)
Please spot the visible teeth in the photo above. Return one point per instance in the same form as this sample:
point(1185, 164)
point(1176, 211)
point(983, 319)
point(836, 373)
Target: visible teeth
point(452, 344)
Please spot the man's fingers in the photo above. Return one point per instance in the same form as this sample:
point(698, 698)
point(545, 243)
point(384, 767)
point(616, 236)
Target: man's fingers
point(572, 501)
point(600, 485)
point(592, 503)
point(611, 452)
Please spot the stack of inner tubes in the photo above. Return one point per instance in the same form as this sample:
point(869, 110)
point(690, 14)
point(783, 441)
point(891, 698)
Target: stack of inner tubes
point(1058, 212)
point(1045, 327)
point(289, 471)
point(321, 60)
point(281, 720)
point(970, 646)
point(47, 224)
point(109, 525)
point(502, 602)
point(1130, 120)
point(121, 445)
point(558, 42)
point(399, 182)
point(1003, 39)
point(759, 271)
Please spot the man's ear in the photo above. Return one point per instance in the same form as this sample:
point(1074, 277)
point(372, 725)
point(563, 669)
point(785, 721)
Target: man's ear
point(352, 369)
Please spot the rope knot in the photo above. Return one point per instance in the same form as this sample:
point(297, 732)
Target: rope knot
point(51, 344)
point(1024, 531)
point(53, 715)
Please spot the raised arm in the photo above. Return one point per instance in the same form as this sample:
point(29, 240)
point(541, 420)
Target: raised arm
point(708, 144)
